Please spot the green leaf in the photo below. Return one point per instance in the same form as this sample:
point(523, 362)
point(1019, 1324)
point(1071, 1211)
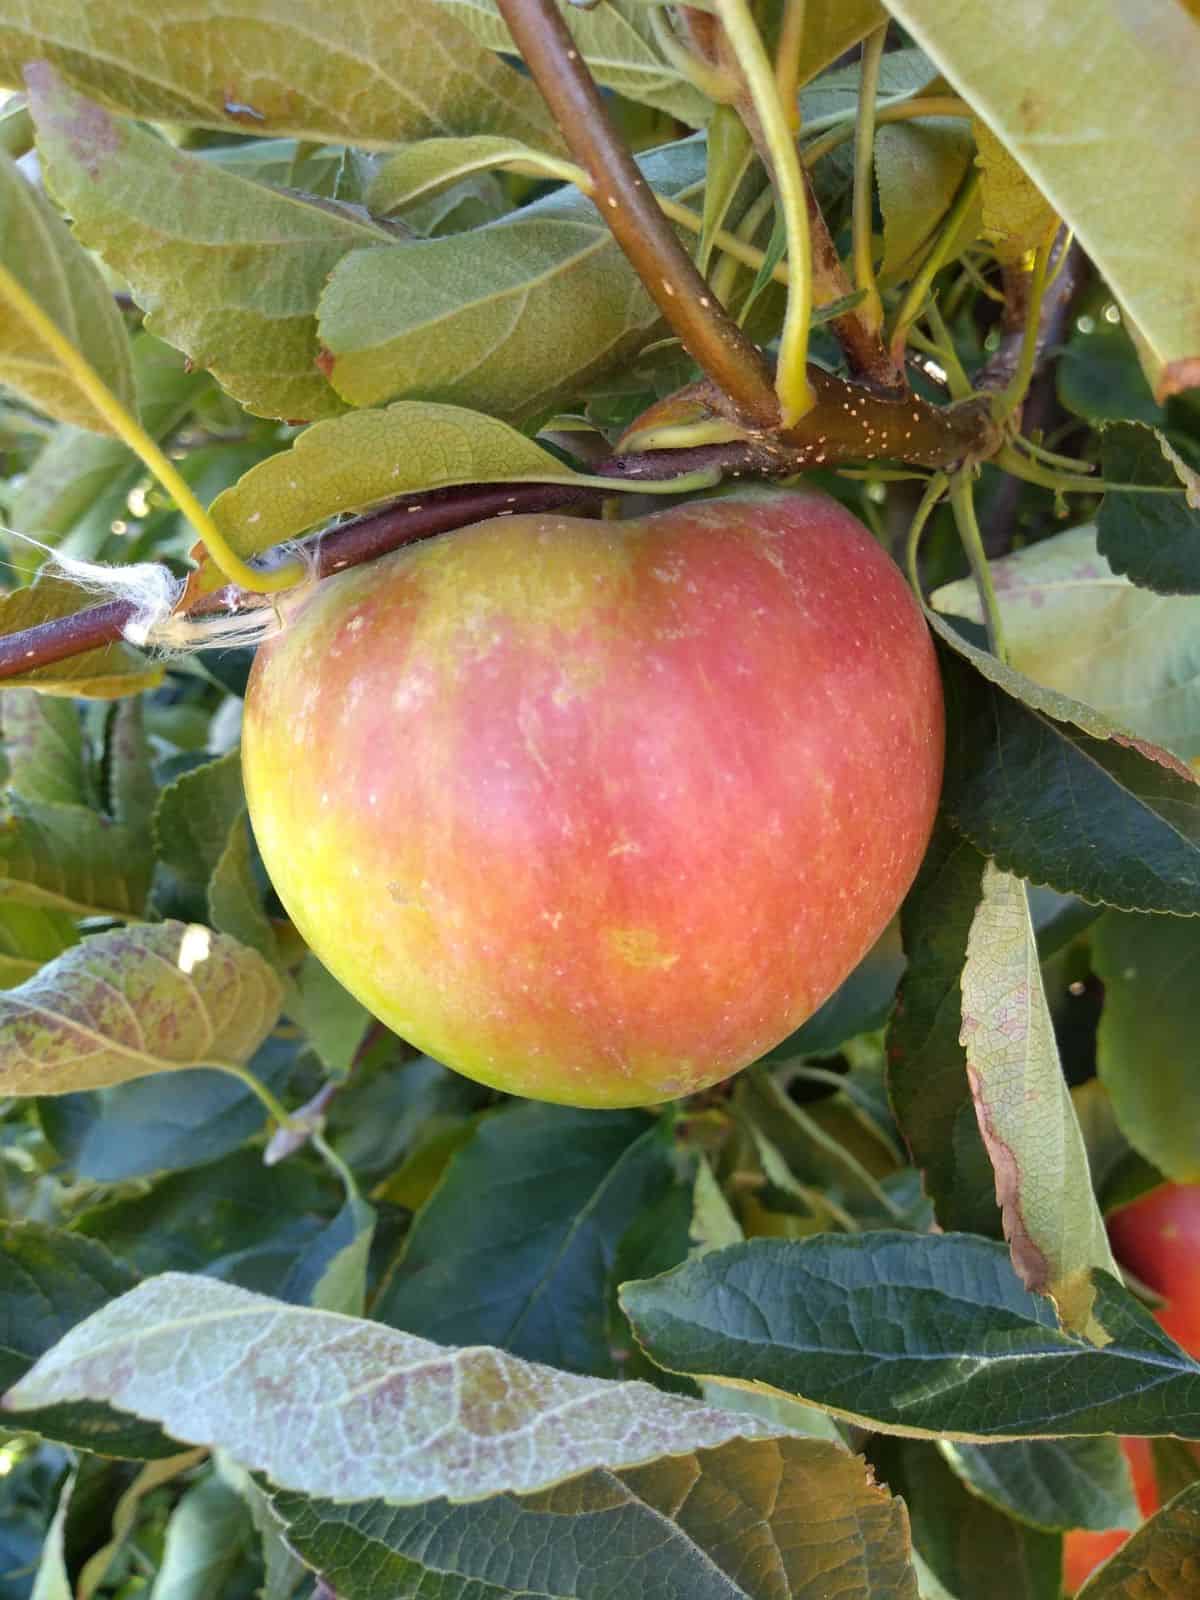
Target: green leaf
point(528, 1271)
point(1146, 1044)
point(29, 937)
point(43, 745)
point(1160, 1557)
point(51, 1581)
point(1098, 375)
point(351, 463)
point(1068, 803)
point(38, 250)
point(920, 167)
point(102, 674)
point(914, 1334)
point(235, 904)
point(927, 1066)
point(1051, 1220)
point(130, 790)
point(743, 1521)
point(331, 1017)
point(616, 41)
point(195, 816)
point(72, 859)
point(1053, 1484)
point(1072, 624)
point(137, 1000)
point(1130, 116)
point(77, 468)
point(235, 1219)
point(418, 171)
point(1154, 539)
point(973, 1549)
point(263, 66)
point(1017, 217)
point(49, 1281)
point(209, 1536)
point(389, 1416)
point(165, 1123)
point(228, 271)
point(449, 319)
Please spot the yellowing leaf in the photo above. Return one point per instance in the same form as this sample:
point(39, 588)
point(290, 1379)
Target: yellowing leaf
point(1016, 215)
point(138, 1000)
point(37, 248)
point(350, 463)
point(328, 74)
point(1051, 1219)
point(102, 674)
point(1097, 101)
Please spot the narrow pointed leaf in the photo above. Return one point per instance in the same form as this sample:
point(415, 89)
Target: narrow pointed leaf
point(344, 75)
point(1051, 1219)
point(769, 1519)
point(914, 1334)
point(138, 1000)
point(419, 171)
point(351, 463)
point(228, 270)
point(37, 248)
point(927, 1066)
point(331, 1406)
point(1131, 115)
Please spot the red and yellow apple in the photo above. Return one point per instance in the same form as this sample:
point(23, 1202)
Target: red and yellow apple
point(598, 812)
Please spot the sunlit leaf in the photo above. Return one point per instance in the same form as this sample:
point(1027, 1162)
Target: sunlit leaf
point(69, 858)
point(37, 249)
point(1016, 216)
point(1108, 155)
point(1163, 1556)
point(268, 66)
point(349, 1410)
point(43, 747)
point(138, 1000)
point(421, 170)
point(350, 463)
point(1073, 625)
point(227, 270)
point(1051, 1219)
point(510, 319)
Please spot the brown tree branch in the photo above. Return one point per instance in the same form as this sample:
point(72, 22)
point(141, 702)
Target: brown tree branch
point(637, 223)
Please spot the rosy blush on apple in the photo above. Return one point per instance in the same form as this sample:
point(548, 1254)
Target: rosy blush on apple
point(598, 812)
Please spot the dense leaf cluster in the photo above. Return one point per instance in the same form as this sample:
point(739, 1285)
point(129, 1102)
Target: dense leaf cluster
point(289, 1309)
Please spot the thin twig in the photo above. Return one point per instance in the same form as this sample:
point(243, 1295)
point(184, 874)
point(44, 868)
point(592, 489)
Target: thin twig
point(637, 223)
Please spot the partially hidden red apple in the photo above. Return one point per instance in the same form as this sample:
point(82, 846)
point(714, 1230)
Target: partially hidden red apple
point(598, 812)
point(1158, 1238)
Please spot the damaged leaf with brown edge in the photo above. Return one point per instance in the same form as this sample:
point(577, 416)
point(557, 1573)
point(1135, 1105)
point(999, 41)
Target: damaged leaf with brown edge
point(1051, 1219)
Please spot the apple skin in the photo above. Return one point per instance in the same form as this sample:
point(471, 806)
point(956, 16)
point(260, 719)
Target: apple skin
point(599, 812)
